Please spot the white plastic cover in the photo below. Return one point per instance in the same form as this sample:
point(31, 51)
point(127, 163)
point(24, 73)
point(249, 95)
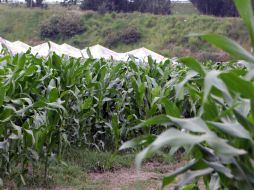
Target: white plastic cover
point(22, 46)
point(46, 48)
point(97, 51)
point(143, 54)
point(12, 48)
point(71, 51)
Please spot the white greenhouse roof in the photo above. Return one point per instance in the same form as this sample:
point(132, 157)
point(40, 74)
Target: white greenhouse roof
point(71, 51)
point(21, 44)
point(46, 48)
point(12, 48)
point(143, 54)
point(97, 51)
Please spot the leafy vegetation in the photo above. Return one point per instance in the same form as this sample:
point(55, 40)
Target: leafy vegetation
point(61, 26)
point(48, 104)
point(216, 8)
point(129, 35)
point(219, 135)
point(151, 6)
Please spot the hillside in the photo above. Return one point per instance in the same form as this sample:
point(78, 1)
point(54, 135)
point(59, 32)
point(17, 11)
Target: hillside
point(167, 35)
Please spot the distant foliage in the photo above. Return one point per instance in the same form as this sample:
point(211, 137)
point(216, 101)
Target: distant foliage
point(32, 3)
point(216, 7)
point(151, 6)
point(63, 26)
point(66, 3)
point(129, 35)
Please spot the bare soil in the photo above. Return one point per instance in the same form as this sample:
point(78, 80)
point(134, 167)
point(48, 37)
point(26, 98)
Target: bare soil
point(151, 174)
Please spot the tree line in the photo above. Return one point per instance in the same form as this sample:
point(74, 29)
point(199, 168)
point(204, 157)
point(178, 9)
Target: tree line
point(217, 7)
point(151, 6)
point(209, 7)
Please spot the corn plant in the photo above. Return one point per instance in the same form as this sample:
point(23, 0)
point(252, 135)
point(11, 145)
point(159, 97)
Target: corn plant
point(220, 136)
point(49, 103)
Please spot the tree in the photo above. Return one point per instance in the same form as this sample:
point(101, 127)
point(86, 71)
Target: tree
point(216, 7)
point(152, 6)
point(32, 3)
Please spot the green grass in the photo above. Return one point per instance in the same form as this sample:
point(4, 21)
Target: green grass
point(167, 35)
point(74, 169)
point(77, 165)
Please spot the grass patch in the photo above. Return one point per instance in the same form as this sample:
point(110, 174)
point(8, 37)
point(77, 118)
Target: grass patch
point(92, 161)
point(73, 171)
point(77, 164)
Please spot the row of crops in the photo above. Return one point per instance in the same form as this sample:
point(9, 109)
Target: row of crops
point(48, 104)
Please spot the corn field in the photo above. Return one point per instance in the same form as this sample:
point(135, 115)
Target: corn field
point(49, 104)
point(219, 135)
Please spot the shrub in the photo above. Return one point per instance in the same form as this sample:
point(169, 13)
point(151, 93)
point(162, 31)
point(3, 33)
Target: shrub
point(90, 4)
point(36, 3)
point(127, 36)
point(61, 26)
point(130, 35)
point(104, 8)
point(112, 39)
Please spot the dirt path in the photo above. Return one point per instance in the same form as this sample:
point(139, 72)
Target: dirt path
point(149, 178)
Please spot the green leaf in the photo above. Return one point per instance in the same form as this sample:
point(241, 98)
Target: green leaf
point(245, 10)
point(233, 129)
point(169, 179)
point(139, 141)
point(192, 175)
point(192, 124)
point(190, 187)
point(87, 104)
point(2, 95)
point(171, 108)
point(89, 53)
point(156, 120)
point(239, 85)
point(229, 46)
point(116, 130)
point(180, 87)
point(219, 167)
point(214, 182)
point(193, 64)
point(171, 137)
point(53, 95)
point(212, 80)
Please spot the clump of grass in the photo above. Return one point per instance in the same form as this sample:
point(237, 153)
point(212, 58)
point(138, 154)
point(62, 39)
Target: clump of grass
point(92, 161)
